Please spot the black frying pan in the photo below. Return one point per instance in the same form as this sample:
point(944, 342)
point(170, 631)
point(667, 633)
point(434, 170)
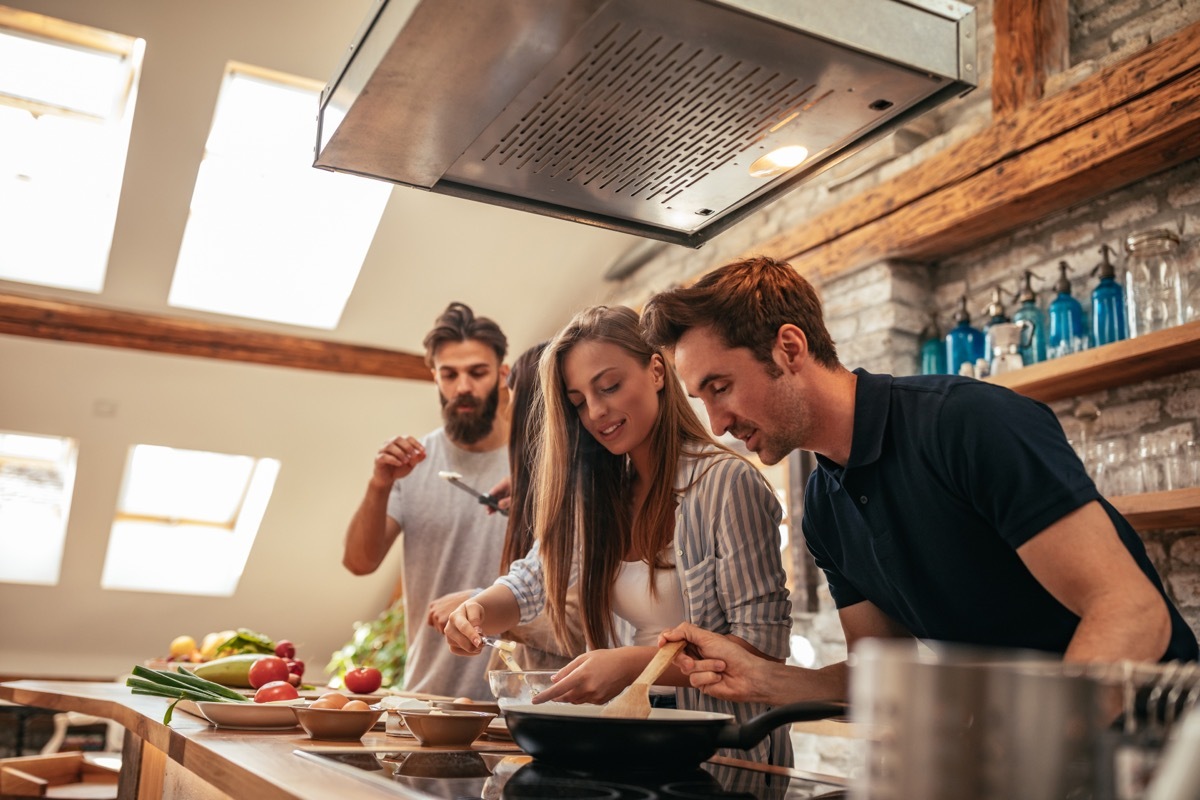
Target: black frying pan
point(578, 737)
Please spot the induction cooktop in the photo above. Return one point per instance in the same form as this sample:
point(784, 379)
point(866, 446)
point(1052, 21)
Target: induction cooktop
point(462, 775)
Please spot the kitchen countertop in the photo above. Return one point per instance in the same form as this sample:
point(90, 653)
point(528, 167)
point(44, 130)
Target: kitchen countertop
point(258, 764)
point(192, 758)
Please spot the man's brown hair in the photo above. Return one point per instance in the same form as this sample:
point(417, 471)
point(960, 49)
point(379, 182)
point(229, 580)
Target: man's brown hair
point(458, 323)
point(745, 303)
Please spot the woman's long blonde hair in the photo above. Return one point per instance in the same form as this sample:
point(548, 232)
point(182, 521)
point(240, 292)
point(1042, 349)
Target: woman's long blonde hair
point(583, 498)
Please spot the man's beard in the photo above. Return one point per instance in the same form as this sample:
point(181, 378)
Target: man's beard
point(468, 427)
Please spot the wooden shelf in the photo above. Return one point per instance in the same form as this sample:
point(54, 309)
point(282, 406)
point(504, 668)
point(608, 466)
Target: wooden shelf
point(1179, 508)
point(1151, 356)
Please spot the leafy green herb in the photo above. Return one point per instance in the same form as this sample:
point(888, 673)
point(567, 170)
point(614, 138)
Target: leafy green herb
point(246, 641)
point(380, 643)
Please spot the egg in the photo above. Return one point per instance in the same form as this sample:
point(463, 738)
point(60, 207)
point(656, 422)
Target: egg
point(356, 705)
point(331, 700)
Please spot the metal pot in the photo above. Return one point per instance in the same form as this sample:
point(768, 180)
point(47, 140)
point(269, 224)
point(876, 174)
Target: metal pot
point(954, 722)
point(577, 736)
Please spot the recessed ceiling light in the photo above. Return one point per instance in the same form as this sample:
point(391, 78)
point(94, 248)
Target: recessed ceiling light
point(779, 161)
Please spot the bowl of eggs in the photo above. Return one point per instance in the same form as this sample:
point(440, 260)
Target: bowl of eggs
point(335, 716)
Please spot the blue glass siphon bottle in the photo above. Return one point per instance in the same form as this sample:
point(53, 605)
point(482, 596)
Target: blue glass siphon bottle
point(964, 344)
point(1031, 313)
point(933, 348)
point(1108, 303)
point(1067, 334)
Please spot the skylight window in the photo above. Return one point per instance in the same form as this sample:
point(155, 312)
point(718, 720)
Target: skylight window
point(186, 520)
point(37, 476)
point(269, 236)
point(67, 96)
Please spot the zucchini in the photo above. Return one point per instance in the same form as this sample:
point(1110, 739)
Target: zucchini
point(229, 670)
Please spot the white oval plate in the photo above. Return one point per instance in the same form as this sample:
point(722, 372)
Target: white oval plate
point(249, 716)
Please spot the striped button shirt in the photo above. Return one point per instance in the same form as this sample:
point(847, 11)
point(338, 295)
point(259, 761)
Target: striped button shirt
point(727, 554)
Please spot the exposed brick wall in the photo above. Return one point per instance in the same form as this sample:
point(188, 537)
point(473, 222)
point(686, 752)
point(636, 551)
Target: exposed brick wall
point(876, 313)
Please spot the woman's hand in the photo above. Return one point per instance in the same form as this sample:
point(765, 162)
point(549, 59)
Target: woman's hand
point(597, 676)
point(463, 629)
point(493, 610)
point(442, 607)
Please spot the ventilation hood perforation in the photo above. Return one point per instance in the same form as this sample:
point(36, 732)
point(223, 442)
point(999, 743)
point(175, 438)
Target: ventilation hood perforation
point(641, 117)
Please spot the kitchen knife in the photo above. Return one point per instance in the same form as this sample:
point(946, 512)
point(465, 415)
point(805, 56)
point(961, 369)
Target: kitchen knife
point(486, 499)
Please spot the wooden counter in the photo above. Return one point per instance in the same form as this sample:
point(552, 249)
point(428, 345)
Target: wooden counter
point(193, 759)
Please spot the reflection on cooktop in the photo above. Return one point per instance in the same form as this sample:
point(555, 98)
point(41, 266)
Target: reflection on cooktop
point(535, 781)
point(490, 776)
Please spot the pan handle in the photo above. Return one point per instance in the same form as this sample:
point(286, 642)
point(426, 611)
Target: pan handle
point(753, 731)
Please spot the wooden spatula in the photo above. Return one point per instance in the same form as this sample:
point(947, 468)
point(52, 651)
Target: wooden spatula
point(634, 702)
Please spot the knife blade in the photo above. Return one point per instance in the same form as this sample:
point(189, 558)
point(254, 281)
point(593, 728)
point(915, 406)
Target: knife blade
point(456, 479)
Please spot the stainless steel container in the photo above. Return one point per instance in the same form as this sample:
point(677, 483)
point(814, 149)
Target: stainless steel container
point(949, 723)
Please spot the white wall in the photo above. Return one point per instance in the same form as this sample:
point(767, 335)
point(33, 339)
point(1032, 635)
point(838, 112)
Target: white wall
point(529, 273)
point(324, 428)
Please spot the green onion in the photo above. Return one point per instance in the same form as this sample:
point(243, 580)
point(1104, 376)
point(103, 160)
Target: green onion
point(189, 680)
point(192, 679)
point(173, 691)
point(180, 686)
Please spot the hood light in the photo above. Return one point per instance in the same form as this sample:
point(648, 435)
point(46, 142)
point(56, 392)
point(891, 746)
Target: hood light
point(778, 161)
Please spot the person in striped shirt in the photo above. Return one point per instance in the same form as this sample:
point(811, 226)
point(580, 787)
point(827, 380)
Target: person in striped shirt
point(655, 521)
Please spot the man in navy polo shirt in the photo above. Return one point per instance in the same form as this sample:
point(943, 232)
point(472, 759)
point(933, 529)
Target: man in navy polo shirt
point(943, 508)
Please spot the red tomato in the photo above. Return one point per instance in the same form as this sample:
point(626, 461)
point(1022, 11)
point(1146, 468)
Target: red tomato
point(275, 690)
point(267, 669)
point(364, 680)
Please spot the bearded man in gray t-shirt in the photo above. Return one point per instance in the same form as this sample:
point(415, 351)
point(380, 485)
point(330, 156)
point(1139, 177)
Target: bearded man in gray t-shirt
point(451, 549)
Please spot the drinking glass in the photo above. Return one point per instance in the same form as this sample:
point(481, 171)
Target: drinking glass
point(1097, 466)
point(1179, 461)
point(1079, 451)
point(1114, 458)
point(1192, 453)
point(1153, 479)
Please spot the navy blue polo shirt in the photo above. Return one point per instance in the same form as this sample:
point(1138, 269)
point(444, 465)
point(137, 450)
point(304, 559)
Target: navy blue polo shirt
point(946, 478)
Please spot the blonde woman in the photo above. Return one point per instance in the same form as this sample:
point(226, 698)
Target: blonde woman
point(655, 523)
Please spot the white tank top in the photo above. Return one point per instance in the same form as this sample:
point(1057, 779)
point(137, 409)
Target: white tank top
point(648, 615)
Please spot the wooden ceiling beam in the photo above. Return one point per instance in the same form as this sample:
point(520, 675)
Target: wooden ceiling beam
point(1125, 120)
point(84, 324)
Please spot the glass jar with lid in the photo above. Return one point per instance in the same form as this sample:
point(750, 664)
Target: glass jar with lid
point(1153, 281)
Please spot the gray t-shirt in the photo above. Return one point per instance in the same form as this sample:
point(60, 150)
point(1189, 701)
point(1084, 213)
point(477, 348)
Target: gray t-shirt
point(450, 543)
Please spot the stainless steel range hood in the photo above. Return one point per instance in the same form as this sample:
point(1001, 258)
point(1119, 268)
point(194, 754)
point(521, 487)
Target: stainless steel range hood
point(643, 116)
